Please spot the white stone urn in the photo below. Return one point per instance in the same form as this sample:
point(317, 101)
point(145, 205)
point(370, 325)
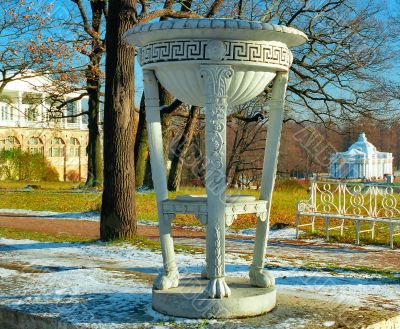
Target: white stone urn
point(215, 63)
point(176, 49)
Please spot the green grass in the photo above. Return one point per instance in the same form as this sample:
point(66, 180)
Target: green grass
point(48, 200)
point(283, 205)
point(11, 233)
point(138, 241)
point(59, 197)
point(349, 236)
point(146, 243)
point(11, 184)
point(335, 268)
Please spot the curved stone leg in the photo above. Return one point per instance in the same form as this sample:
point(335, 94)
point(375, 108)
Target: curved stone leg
point(170, 276)
point(205, 271)
point(216, 81)
point(259, 277)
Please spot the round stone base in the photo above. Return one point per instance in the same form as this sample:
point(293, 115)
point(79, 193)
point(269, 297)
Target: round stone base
point(189, 300)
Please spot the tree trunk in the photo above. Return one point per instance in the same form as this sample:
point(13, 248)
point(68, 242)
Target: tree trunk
point(118, 217)
point(166, 119)
point(175, 174)
point(95, 162)
point(235, 179)
point(93, 87)
point(199, 156)
point(148, 179)
point(141, 151)
point(232, 158)
point(142, 159)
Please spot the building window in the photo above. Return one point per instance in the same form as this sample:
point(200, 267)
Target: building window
point(53, 115)
point(32, 102)
point(35, 145)
point(6, 112)
point(31, 113)
point(57, 147)
point(72, 110)
point(73, 147)
point(9, 143)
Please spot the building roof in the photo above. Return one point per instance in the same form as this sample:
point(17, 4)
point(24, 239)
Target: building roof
point(362, 146)
point(34, 82)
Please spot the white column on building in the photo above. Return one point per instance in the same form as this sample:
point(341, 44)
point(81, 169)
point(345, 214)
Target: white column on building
point(65, 113)
point(42, 111)
point(365, 173)
point(370, 166)
point(80, 118)
point(351, 169)
point(373, 168)
point(21, 113)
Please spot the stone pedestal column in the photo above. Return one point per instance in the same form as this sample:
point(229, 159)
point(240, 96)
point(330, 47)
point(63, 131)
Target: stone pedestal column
point(216, 79)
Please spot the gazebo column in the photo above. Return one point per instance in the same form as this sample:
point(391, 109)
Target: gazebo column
point(216, 79)
point(259, 277)
point(170, 277)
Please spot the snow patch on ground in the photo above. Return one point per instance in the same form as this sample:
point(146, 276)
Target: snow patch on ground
point(77, 283)
point(281, 234)
point(87, 215)
point(144, 190)
point(6, 273)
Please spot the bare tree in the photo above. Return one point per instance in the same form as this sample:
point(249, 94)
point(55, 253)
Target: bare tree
point(118, 218)
point(118, 203)
point(27, 46)
point(337, 74)
point(88, 31)
point(182, 148)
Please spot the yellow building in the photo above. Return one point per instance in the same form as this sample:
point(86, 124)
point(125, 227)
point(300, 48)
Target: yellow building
point(27, 123)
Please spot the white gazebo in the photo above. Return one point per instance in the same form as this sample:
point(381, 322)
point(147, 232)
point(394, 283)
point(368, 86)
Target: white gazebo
point(361, 160)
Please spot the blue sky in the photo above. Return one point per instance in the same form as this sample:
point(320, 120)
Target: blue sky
point(64, 8)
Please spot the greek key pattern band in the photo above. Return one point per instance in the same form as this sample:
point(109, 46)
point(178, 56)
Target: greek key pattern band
point(190, 50)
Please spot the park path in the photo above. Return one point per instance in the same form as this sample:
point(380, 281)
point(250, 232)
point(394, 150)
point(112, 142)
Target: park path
point(301, 253)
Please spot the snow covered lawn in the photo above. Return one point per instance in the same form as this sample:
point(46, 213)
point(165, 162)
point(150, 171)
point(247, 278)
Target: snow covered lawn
point(109, 286)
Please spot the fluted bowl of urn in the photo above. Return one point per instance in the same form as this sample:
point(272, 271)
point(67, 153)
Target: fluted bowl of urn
point(176, 49)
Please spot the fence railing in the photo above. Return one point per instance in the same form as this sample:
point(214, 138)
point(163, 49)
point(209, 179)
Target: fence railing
point(357, 202)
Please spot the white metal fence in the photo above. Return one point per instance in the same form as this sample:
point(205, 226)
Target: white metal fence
point(368, 203)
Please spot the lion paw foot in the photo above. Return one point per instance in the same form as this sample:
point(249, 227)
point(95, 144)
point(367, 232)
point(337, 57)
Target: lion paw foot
point(261, 278)
point(217, 288)
point(166, 281)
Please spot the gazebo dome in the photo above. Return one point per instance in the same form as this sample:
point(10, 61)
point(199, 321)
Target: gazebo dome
point(361, 160)
point(363, 146)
